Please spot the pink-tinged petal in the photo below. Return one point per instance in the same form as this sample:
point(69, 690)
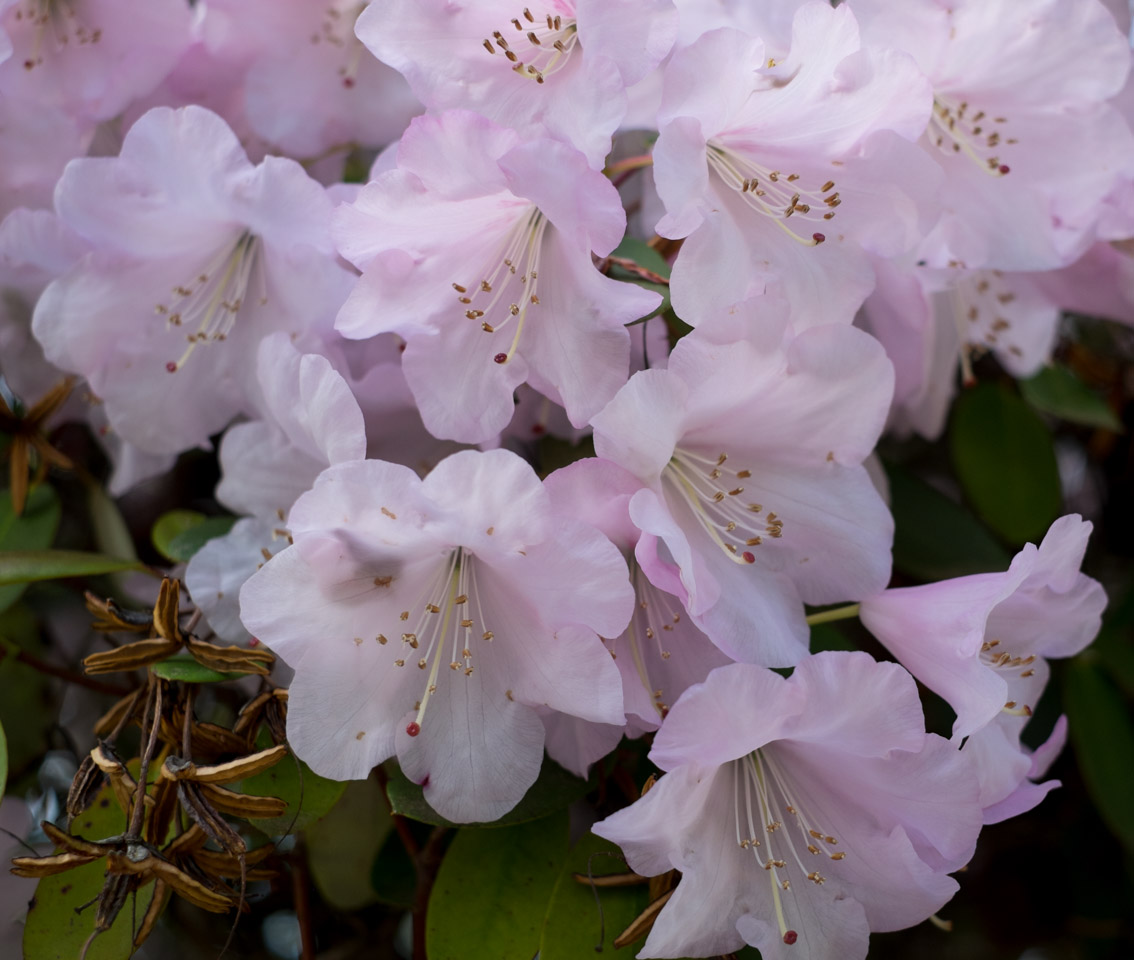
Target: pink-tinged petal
point(456, 154)
point(596, 492)
point(35, 144)
point(578, 347)
point(834, 930)
point(1047, 752)
point(576, 744)
point(633, 34)
point(479, 751)
point(640, 427)
point(1026, 797)
point(219, 569)
point(1000, 763)
point(698, 588)
point(283, 206)
point(936, 631)
point(262, 472)
point(869, 708)
point(744, 706)
point(167, 192)
point(463, 393)
point(681, 173)
point(581, 203)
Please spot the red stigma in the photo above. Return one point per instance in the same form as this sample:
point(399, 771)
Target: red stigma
point(790, 937)
point(1004, 168)
point(748, 556)
point(818, 237)
point(348, 82)
point(254, 642)
point(413, 728)
point(500, 357)
point(539, 429)
point(171, 367)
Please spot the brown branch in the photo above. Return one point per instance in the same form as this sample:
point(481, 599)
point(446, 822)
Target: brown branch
point(427, 864)
point(301, 883)
point(62, 673)
point(400, 824)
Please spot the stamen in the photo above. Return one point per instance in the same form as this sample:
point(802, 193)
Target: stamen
point(952, 133)
point(551, 42)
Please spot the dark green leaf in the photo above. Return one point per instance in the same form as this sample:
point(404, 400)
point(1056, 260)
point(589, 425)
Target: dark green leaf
point(33, 530)
point(554, 789)
point(573, 923)
point(935, 538)
point(645, 256)
point(287, 780)
point(1057, 391)
point(342, 847)
point(3, 761)
point(1103, 735)
point(25, 566)
point(188, 670)
point(1115, 644)
point(26, 705)
point(1005, 461)
point(169, 525)
point(828, 636)
point(392, 877)
point(111, 535)
point(188, 542)
point(491, 893)
point(54, 931)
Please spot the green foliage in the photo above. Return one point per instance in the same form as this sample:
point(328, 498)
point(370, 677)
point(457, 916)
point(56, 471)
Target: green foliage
point(1005, 460)
point(33, 530)
point(178, 534)
point(571, 929)
point(491, 893)
point(648, 258)
point(309, 796)
point(936, 538)
point(1057, 391)
point(3, 761)
point(392, 875)
point(1103, 735)
point(188, 670)
point(55, 930)
point(25, 701)
point(343, 846)
point(554, 789)
point(26, 566)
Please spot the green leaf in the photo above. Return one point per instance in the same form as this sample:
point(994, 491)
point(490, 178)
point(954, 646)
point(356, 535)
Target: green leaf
point(828, 636)
point(25, 566)
point(3, 761)
point(287, 780)
point(393, 877)
point(1057, 391)
point(343, 846)
point(27, 708)
point(111, 534)
point(169, 525)
point(33, 530)
point(54, 930)
point(188, 542)
point(492, 891)
point(188, 670)
point(573, 922)
point(1103, 736)
point(935, 538)
point(554, 789)
point(1005, 460)
point(645, 256)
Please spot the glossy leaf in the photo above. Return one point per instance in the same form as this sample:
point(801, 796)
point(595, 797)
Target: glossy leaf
point(554, 789)
point(309, 797)
point(188, 670)
point(573, 923)
point(1057, 391)
point(1103, 735)
point(1005, 460)
point(342, 847)
point(491, 894)
point(169, 525)
point(54, 930)
point(936, 538)
point(26, 566)
point(183, 546)
point(392, 875)
point(34, 529)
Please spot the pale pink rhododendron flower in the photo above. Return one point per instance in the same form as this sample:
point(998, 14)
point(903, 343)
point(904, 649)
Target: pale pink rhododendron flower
point(752, 495)
point(90, 58)
point(36, 141)
point(560, 67)
point(781, 174)
point(1029, 147)
point(802, 813)
point(981, 642)
point(477, 250)
point(196, 256)
point(432, 618)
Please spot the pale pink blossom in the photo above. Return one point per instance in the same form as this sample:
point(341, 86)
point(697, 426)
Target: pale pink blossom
point(782, 174)
point(433, 619)
point(802, 813)
point(561, 68)
point(477, 250)
point(196, 256)
point(752, 495)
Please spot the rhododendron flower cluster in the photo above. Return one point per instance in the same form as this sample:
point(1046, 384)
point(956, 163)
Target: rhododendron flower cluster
point(372, 253)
